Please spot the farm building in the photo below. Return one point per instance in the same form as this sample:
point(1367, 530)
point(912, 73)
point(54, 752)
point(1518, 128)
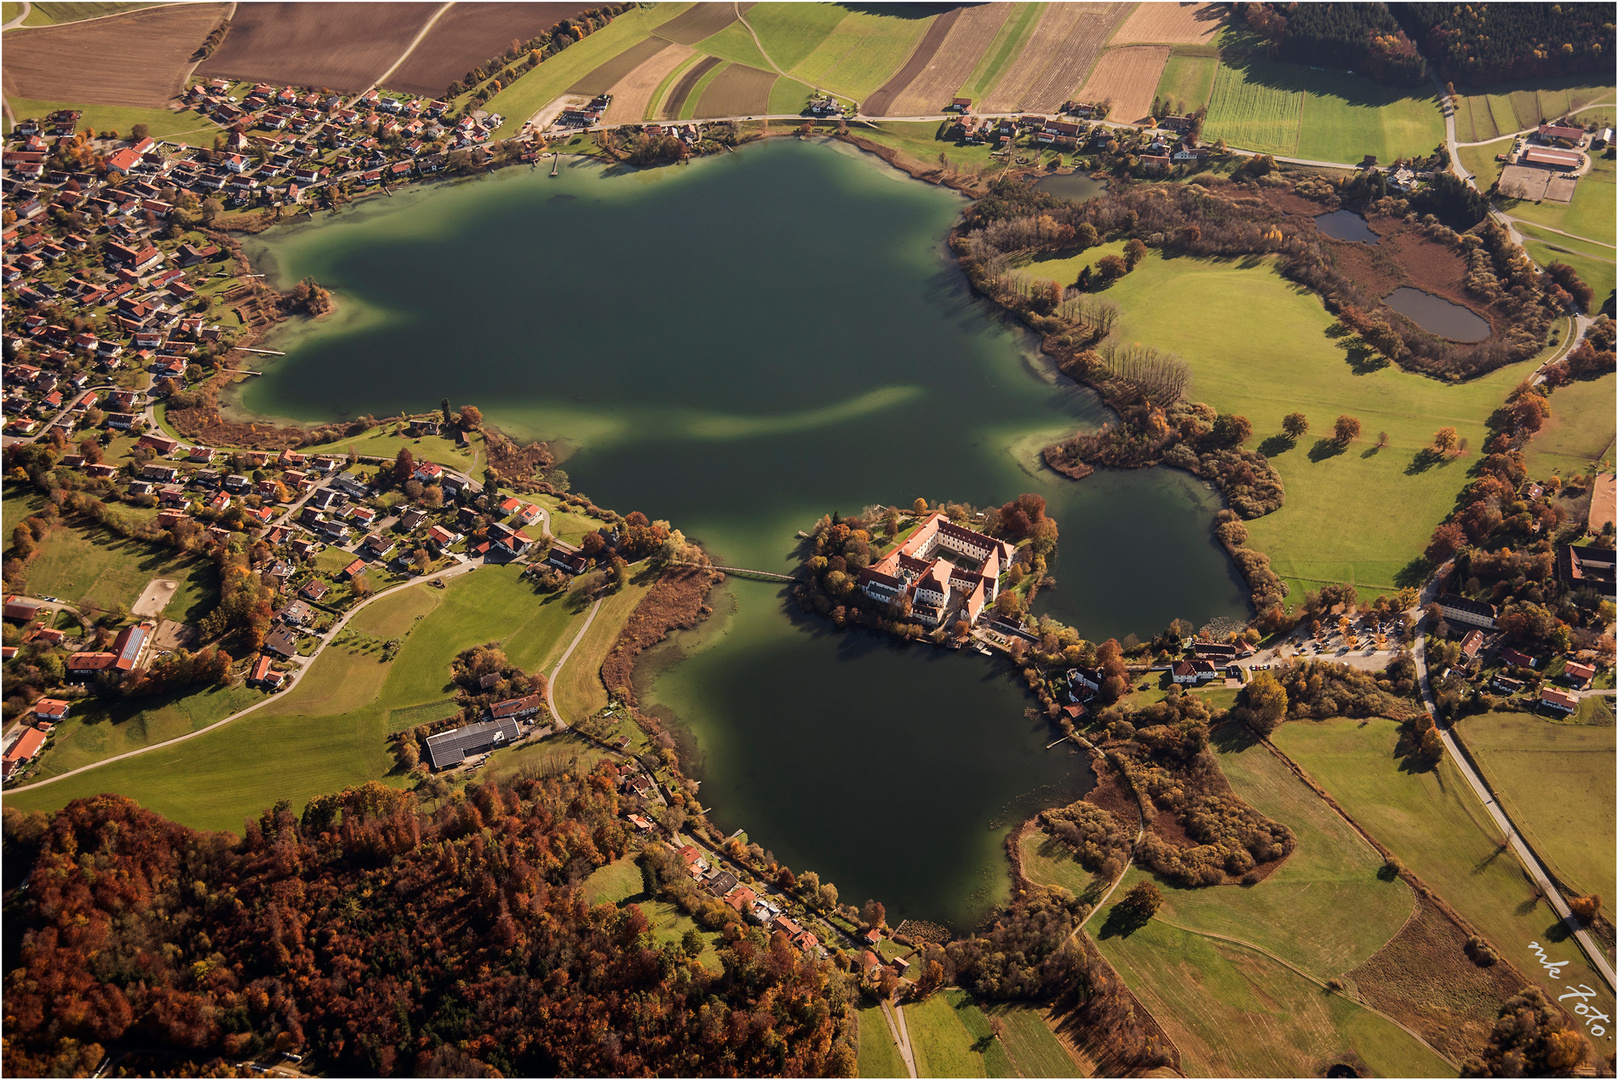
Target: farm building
point(1552, 159)
point(450, 748)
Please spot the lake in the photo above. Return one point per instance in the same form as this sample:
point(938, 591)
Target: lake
point(739, 346)
point(1438, 316)
point(1073, 186)
point(1346, 225)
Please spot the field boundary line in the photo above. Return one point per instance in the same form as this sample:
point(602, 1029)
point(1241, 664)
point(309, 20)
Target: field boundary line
point(1295, 969)
point(99, 18)
point(382, 78)
point(190, 71)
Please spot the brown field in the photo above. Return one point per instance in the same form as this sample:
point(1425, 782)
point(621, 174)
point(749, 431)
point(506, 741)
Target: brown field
point(606, 75)
point(954, 62)
point(469, 34)
point(688, 82)
point(1057, 57)
point(632, 94)
point(139, 59)
point(700, 21)
point(1127, 77)
point(739, 90)
point(1170, 24)
point(337, 46)
point(1425, 979)
point(880, 103)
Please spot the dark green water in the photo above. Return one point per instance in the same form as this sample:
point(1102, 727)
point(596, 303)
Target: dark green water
point(740, 346)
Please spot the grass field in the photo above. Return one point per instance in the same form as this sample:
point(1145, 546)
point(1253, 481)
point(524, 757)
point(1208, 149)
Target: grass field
point(1590, 214)
point(1595, 270)
point(1434, 824)
point(1188, 79)
point(51, 14)
point(98, 571)
point(331, 731)
point(1513, 107)
point(534, 89)
point(735, 44)
point(879, 1054)
point(791, 32)
point(1204, 992)
point(1580, 428)
point(947, 1035)
point(1480, 161)
point(394, 616)
point(1047, 861)
point(1293, 912)
point(579, 691)
point(96, 729)
point(1029, 1045)
point(788, 96)
point(181, 127)
point(383, 442)
point(1291, 110)
point(1002, 50)
point(916, 142)
point(1326, 530)
point(863, 50)
point(615, 882)
point(1572, 830)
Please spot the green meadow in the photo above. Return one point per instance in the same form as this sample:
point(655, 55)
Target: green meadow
point(1579, 431)
point(330, 732)
point(1511, 107)
point(878, 1053)
point(735, 44)
point(1358, 515)
point(1432, 822)
point(857, 55)
point(98, 729)
point(1235, 1012)
point(96, 570)
point(1595, 270)
point(181, 127)
point(1555, 781)
point(1590, 214)
point(1188, 78)
point(952, 1036)
point(1294, 111)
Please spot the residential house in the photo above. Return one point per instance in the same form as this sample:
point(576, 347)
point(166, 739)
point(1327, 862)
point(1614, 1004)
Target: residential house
point(24, 750)
point(1558, 699)
point(282, 642)
point(1459, 609)
point(1514, 658)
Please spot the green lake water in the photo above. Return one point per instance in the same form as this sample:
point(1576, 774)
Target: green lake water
point(739, 346)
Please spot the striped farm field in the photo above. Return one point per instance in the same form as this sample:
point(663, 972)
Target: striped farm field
point(1056, 57)
point(1252, 115)
point(738, 91)
point(1006, 45)
point(682, 100)
point(1507, 108)
point(1127, 77)
point(632, 94)
point(957, 57)
point(1171, 24)
point(860, 54)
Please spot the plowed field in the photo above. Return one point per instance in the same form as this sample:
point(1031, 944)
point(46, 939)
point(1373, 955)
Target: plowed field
point(738, 91)
point(138, 59)
point(1171, 24)
point(469, 34)
point(632, 95)
point(880, 103)
point(953, 64)
point(676, 100)
point(1057, 57)
point(602, 78)
point(1128, 78)
point(702, 20)
point(338, 46)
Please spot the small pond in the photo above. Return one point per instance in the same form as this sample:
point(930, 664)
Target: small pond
point(1075, 186)
point(1345, 225)
point(1438, 316)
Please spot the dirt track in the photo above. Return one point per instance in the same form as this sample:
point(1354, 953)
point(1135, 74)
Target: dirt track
point(336, 46)
point(139, 59)
point(469, 34)
point(880, 103)
point(954, 62)
point(1127, 77)
point(1056, 57)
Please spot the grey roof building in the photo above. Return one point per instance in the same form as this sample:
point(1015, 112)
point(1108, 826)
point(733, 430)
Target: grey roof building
point(453, 747)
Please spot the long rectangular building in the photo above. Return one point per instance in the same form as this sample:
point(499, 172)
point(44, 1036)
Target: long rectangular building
point(453, 747)
point(937, 586)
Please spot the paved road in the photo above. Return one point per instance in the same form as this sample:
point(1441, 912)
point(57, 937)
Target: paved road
point(1525, 854)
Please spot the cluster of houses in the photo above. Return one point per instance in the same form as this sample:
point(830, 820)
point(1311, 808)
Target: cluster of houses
point(761, 910)
point(1558, 147)
point(945, 570)
point(1170, 143)
point(1474, 617)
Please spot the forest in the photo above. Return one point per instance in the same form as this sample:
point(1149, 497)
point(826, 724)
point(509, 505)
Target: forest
point(1356, 37)
point(383, 934)
point(1480, 44)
